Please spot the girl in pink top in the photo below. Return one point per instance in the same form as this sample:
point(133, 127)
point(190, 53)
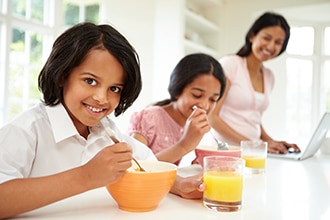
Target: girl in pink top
point(171, 128)
point(238, 114)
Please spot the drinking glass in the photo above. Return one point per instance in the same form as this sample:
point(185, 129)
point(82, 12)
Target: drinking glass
point(255, 155)
point(223, 178)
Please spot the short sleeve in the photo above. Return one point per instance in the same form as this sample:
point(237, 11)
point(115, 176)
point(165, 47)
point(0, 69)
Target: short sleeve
point(229, 65)
point(143, 122)
point(269, 79)
point(159, 129)
point(16, 153)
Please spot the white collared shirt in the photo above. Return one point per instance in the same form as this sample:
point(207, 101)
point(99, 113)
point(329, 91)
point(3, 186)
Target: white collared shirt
point(43, 141)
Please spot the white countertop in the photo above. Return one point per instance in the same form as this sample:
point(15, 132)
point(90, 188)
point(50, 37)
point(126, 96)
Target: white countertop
point(288, 190)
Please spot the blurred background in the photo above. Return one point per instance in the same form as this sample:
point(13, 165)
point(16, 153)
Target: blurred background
point(163, 31)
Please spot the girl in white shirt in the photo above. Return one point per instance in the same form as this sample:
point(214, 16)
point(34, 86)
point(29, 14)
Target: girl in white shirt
point(58, 148)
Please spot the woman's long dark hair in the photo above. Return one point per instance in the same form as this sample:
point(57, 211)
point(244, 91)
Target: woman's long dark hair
point(268, 19)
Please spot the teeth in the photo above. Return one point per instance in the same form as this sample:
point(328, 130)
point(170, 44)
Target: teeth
point(94, 109)
point(266, 52)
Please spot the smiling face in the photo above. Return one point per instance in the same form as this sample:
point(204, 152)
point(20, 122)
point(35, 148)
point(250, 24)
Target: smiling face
point(203, 92)
point(267, 43)
point(93, 89)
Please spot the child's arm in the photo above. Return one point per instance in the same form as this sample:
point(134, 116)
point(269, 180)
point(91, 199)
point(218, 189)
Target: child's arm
point(22, 195)
point(190, 187)
point(195, 128)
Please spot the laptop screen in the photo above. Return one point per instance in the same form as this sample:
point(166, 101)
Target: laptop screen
point(318, 136)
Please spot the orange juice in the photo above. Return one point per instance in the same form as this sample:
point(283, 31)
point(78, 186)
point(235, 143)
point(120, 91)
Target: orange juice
point(255, 162)
point(223, 186)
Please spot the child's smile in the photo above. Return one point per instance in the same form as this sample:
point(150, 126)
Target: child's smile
point(93, 109)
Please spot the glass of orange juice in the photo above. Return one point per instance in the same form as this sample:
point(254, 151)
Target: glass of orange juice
point(223, 178)
point(255, 154)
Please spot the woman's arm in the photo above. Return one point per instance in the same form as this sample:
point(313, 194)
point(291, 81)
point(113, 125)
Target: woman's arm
point(277, 147)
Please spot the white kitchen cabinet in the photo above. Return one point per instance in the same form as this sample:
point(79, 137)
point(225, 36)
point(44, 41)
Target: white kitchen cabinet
point(201, 26)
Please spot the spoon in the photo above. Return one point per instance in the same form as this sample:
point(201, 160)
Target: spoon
point(220, 145)
point(137, 163)
point(110, 133)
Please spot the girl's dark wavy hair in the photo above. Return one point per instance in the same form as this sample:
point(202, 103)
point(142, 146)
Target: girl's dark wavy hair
point(268, 19)
point(190, 67)
point(69, 51)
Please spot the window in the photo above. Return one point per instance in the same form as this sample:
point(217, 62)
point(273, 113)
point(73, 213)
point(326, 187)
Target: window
point(308, 78)
point(326, 41)
point(326, 80)
point(26, 44)
point(78, 11)
point(2, 70)
point(29, 9)
point(1, 6)
point(299, 95)
point(327, 83)
point(24, 47)
point(26, 38)
point(25, 61)
point(301, 36)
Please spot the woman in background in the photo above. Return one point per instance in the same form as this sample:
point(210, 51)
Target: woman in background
point(238, 115)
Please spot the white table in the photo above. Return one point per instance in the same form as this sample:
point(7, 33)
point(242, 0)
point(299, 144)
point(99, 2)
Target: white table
point(288, 190)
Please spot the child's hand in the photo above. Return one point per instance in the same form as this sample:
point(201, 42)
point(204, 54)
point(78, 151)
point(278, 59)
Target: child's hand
point(191, 187)
point(196, 126)
point(108, 165)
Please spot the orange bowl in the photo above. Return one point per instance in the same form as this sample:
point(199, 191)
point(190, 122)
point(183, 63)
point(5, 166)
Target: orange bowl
point(139, 191)
point(211, 150)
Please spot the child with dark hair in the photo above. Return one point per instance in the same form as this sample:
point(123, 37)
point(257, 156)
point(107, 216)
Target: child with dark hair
point(59, 148)
point(174, 127)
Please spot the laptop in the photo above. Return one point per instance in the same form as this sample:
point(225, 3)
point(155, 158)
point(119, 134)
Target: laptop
point(314, 143)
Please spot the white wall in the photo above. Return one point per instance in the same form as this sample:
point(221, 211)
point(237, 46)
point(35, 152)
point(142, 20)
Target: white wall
point(138, 21)
point(135, 20)
point(154, 27)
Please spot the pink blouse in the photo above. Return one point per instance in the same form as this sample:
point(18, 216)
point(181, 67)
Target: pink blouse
point(160, 130)
point(241, 109)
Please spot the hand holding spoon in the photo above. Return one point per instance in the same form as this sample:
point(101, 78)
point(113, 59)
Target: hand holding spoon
point(110, 133)
point(220, 145)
